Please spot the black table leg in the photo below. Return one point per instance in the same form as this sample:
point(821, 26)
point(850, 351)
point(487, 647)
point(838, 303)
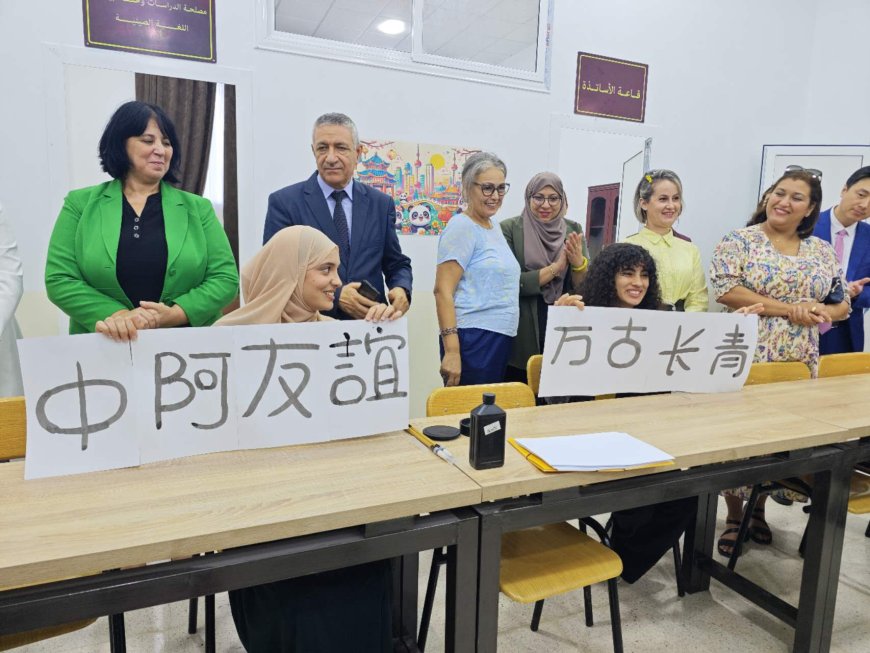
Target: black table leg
point(487, 585)
point(700, 538)
point(821, 572)
point(461, 610)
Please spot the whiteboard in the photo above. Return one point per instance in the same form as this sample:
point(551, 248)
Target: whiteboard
point(836, 162)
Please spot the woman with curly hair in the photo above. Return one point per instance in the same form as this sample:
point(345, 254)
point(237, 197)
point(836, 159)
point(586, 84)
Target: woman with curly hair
point(622, 276)
point(625, 276)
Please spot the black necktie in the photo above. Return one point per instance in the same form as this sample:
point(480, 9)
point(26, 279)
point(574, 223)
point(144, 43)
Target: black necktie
point(340, 220)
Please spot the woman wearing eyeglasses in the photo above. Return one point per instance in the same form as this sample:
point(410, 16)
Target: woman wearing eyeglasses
point(553, 259)
point(658, 202)
point(777, 261)
point(477, 281)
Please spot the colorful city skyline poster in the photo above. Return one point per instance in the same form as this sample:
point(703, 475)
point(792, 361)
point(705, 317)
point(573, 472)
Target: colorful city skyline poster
point(423, 180)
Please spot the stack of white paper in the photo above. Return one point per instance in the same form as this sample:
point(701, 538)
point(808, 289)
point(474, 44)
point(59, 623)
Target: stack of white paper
point(588, 452)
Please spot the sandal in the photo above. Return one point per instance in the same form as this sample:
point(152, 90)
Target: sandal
point(725, 546)
point(759, 531)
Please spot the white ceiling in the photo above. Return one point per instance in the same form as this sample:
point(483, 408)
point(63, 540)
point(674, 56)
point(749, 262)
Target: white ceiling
point(501, 32)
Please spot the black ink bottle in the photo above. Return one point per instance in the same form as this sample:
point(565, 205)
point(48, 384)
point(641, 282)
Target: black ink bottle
point(487, 433)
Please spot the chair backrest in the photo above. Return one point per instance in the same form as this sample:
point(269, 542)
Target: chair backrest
point(13, 428)
point(533, 372)
point(776, 372)
point(844, 364)
point(463, 398)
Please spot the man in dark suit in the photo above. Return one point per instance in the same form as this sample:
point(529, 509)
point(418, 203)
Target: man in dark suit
point(842, 226)
point(357, 218)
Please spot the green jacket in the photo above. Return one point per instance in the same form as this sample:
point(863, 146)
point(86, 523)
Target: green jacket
point(80, 277)
point(527, 338)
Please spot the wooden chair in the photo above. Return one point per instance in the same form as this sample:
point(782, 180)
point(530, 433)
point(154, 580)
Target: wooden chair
point(13, 443)
point(533, 372)
point(773, 372)
point(539, 562)
point(859, 496)
point(462, 398)
point(844, 364)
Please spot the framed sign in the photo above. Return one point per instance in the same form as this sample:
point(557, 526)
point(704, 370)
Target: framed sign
point(610, 88)
point(184, 30)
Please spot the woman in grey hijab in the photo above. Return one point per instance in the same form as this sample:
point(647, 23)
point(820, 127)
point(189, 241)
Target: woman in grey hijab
point(553, 258)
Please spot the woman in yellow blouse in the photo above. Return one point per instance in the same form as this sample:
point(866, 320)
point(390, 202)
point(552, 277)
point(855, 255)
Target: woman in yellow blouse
point(658, 202)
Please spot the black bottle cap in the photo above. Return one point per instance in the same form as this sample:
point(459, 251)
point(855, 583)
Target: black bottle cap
point(489, 398)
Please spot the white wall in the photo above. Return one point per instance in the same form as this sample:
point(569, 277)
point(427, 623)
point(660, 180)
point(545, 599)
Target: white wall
point(836, 92)
point(725, 78)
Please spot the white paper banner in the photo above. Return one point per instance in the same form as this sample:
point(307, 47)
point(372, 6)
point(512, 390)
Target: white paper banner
point(605, 350)
point(94, 404)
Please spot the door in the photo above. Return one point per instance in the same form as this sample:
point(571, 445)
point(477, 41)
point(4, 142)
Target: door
point(602, 207)
point(632, 171)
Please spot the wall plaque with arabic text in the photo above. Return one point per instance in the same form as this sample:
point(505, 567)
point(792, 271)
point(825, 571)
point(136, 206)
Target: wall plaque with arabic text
point(610, 88)
point(184, 30)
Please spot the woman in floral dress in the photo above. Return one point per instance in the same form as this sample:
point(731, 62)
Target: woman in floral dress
point(777, 261)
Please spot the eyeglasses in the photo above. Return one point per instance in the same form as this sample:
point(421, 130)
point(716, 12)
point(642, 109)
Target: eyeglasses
point(489, 189)
point(812, 172)
point(552, 200)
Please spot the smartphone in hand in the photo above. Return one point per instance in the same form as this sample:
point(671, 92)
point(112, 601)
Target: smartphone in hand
point(367, 290)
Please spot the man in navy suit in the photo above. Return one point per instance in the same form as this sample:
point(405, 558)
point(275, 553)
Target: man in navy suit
point(842, 226)
point(357, 218)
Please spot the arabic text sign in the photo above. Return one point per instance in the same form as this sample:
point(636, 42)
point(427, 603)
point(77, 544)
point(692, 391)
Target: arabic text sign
point(603, 350)
point(610, 88)
point(94, 404)
point(185, 30)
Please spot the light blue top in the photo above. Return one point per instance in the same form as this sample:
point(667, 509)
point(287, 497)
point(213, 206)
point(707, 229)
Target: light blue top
point(488, 294)
point(346, 203)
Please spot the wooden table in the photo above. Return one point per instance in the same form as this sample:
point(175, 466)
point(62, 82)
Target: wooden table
point(315, 507)
point(788, 429)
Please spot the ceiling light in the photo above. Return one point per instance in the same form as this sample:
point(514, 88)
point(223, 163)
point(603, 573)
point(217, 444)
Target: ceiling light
point(392, 26)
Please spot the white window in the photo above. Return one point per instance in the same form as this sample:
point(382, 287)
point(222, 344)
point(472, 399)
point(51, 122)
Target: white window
point(503, 42)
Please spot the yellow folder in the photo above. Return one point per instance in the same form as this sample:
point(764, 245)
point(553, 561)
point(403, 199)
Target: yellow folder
point(544, 466)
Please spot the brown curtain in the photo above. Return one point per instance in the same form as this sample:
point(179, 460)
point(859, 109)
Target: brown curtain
point(190, 105)
point(231, 186)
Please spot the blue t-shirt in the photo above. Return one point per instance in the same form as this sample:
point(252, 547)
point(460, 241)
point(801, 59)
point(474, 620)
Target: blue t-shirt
point(488, 294)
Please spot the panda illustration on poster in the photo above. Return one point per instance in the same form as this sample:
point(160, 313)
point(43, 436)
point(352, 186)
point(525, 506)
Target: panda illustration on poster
point(423, 180)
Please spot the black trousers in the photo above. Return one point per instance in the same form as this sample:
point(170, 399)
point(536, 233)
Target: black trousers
point(643, 535)
point(342, 610)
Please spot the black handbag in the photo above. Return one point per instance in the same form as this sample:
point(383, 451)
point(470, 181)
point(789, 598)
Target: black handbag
point(837, 294)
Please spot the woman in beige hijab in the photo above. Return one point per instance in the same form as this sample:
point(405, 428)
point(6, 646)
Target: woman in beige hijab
point(292, 279)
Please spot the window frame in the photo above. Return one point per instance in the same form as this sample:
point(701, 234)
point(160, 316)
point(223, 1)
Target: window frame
point(417, 61)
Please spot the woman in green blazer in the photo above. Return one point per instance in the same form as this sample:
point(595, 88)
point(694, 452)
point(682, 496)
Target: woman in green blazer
point(137, 253)
point(553, 260)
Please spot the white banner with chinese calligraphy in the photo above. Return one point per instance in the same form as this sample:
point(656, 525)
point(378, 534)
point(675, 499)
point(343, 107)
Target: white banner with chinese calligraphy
point(93, 404)
point(606, 350)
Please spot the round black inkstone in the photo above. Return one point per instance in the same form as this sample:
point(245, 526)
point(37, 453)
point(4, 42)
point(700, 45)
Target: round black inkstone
point(441, 433)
